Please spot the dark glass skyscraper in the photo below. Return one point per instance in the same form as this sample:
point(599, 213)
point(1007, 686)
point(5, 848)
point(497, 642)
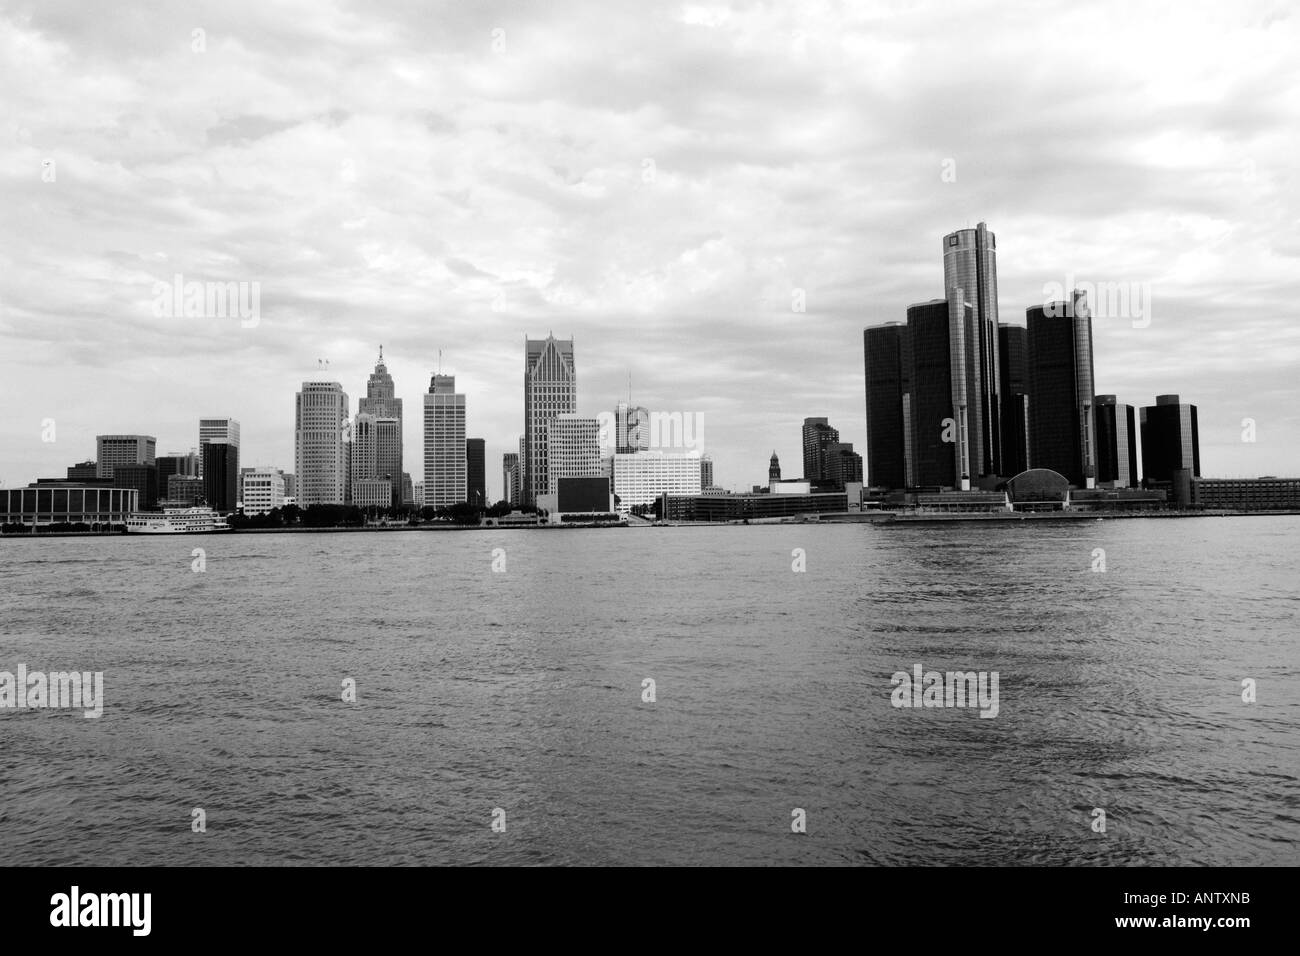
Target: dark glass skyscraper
point(221, 475)
point(1061, 426)
point(886, 374)
point(475, 472)
point(1117, 464)
point(1013, 371)
point(942, 346)
point(143, 478)
point(1170, 439)
point(970, 274)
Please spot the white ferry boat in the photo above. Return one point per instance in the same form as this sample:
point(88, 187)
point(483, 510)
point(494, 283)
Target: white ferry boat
point(176, 521)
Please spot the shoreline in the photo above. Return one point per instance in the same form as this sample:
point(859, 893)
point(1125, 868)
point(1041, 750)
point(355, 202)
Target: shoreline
point(849, 517)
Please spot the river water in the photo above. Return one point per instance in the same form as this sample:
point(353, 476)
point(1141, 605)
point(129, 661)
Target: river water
point(519, 696)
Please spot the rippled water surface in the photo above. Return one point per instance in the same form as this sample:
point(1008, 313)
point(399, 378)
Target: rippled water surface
point(522, 690)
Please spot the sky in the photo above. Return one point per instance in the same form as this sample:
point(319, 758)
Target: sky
point(665, 183)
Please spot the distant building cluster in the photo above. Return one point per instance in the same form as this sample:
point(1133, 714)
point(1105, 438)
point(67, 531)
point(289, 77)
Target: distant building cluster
point(958, 401)
point(964, 412)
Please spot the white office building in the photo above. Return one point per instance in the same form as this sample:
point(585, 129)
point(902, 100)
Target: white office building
point(642, 477)
point(261, 490)
point(573, 449)
point(445, 466)
point(320, 449)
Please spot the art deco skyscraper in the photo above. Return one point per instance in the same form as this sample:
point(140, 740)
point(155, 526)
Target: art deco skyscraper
point(320, 453)
point(550, 389)
point(970, 274)
point(445, 467)
point(381, 403)
point(1062, 428)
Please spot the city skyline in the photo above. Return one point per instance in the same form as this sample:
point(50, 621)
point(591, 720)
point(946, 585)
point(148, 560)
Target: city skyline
point(431, 199)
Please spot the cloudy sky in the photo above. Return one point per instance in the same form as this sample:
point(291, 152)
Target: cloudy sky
point(656, 180)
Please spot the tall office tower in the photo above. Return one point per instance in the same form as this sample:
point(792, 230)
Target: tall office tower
point(631, 429)
point(818, 436)
point(408, 490)
point(376, 447)
point(320, 464)
point(111, 450)
point(1170, 439)
point(444, 444)
point(1013, 369)
point(143, 478)
point(382, 403)
point(773, 468)
point(221, 474)
point(970, 274)
point(1117, 465)
point(510, 478)
point(1062, 429)
point(843, 465)
point(886, 377)
point(216, 429)
point(941, 344)
point(706, 471)
point(550, 389)
point(82, 470)
point(476, 472)
point(573, 450)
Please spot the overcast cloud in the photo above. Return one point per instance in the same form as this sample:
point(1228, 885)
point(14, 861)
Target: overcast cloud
point(653, 179)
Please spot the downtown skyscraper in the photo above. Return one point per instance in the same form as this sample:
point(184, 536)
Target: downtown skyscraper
point(887, 359)
point(319, 448)
point(1117, 460)
point(381, 456)
point(970, 275)
point(1171, 439)
point(550, 390)
point(216, 429)
point(1062, 428)
point(445, 466)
